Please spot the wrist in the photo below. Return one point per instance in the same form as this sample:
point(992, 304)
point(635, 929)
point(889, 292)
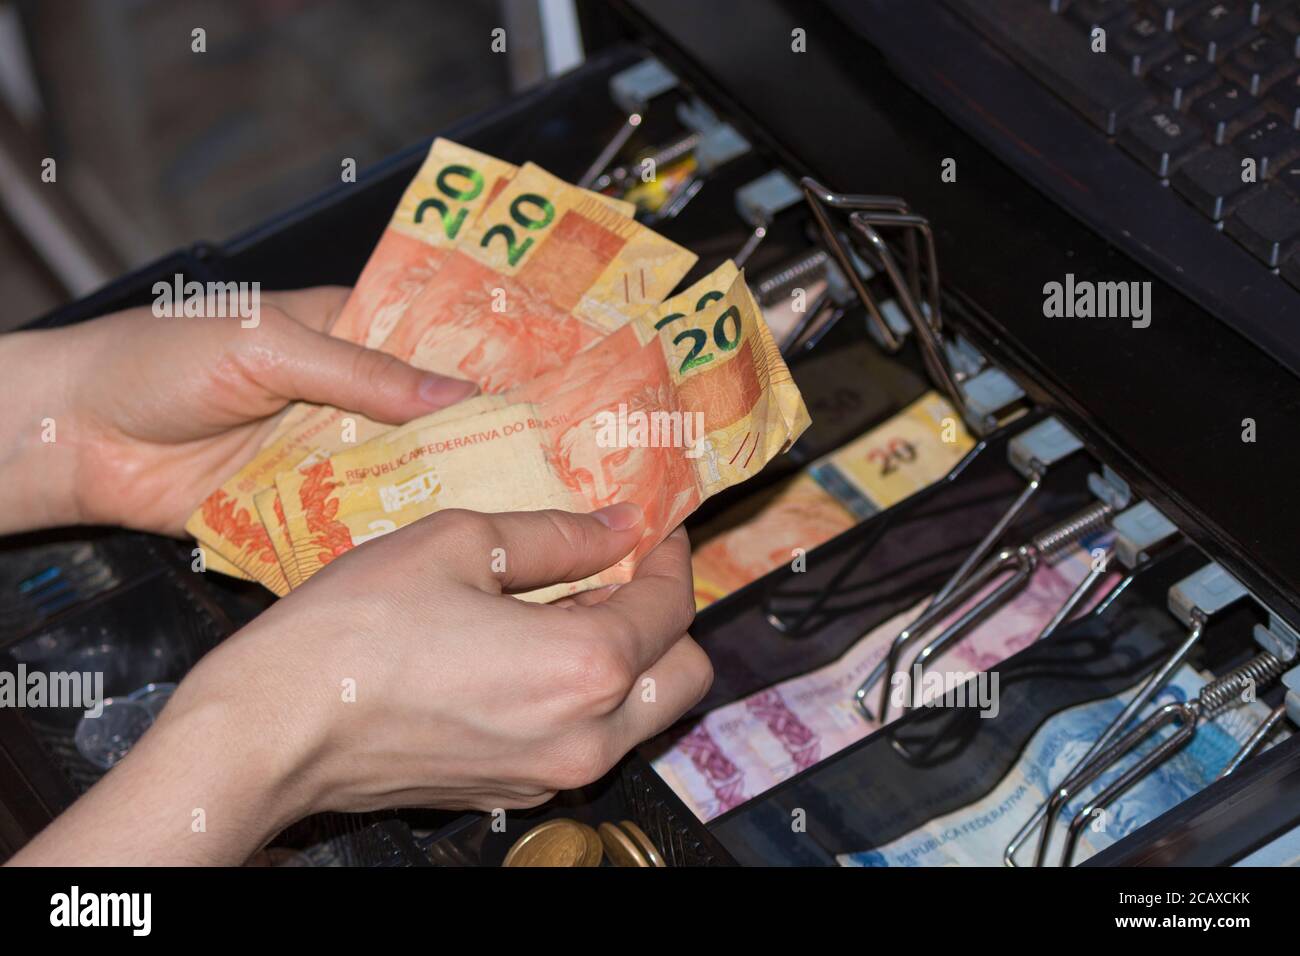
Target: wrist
point(234, 712)
point(38, 456)
point(207, 785)
point(236, 785)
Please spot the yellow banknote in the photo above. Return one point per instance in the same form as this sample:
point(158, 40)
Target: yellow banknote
point(913, 449)
point(696, 405)
point(910, 451)
point(443, 206)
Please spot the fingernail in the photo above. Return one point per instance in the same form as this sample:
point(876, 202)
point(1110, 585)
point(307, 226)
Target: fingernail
point(441, 390)
point(619, 517)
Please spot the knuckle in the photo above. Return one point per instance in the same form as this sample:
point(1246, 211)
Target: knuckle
point(571, 535)
point(701, 669)
point(376, 370)
point(249, 357)
point(458, 529)
point(597, 677)
point(612, 629)
point(682, 609)
point(571, 531)
point(582, 759)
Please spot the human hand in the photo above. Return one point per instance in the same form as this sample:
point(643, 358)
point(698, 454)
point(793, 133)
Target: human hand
point(150, 413)
point(466, 697)
point(462, 695)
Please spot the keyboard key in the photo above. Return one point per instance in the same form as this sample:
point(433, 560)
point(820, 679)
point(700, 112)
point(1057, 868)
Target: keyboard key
point(1289, 179)
point(1285, 98)
point(1262, 11)
point(1143, 45)
point(1219, 30)
point(1286, 20)
point(1211, 181)
point(1161, 139)
point(1259, 64)
point(1224, 112)
point(1172, 14)
point(1291, 269)
point(1267, 224)
point(1271, 142)
point(1184, 77)
point(1059, 57)
point(1099, 13)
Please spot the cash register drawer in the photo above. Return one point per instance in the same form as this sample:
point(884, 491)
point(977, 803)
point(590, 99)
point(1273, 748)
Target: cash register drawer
point(152, 616)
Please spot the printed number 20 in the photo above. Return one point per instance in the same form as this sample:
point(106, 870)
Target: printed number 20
point(700, 338)
point(514, 249)
point(724, 338)
point(451, 224)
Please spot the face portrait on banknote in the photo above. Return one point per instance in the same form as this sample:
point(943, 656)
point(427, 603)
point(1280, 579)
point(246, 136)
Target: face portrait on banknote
point(498, 349)
point(646, 475)
point(400, 268)
point(660, 479)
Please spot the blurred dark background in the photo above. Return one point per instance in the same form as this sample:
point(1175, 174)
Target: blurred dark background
point(156, 145)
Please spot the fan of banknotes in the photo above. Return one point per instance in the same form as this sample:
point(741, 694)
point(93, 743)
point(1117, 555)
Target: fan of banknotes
point(595, 387)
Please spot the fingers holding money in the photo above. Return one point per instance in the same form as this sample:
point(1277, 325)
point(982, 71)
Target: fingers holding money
point(642, 619)
point(525, 550)
point(317, 368)
point(663, 693)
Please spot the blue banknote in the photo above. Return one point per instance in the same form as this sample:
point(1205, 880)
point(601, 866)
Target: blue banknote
point(1284, 851)
point(975, 835)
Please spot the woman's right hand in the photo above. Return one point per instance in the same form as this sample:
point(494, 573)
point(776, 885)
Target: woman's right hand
point(418, 680)
point(405, 674)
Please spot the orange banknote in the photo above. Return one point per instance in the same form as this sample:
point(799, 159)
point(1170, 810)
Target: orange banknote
point(698, 400)
point(592, 364)
point(450, 188)
point(501, 304)
point(799, 516)
point(441, 205)
point(546, 271)
point(452, 185)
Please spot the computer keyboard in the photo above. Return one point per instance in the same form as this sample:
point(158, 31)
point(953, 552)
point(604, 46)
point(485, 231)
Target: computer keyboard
point(1191, 89)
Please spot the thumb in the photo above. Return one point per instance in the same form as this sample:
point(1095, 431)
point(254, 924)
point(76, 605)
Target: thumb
point(548, 547)
point(325, 370)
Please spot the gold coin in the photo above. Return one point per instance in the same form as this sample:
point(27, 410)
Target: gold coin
point(595, 851)
point(556, 843)
point(620, 847)
point(644, 842)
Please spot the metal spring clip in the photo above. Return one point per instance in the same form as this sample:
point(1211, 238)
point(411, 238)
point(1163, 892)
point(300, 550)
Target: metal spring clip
point(1259, 672)
point(1194, 600)
point(1021, 562)
point(1032, 453)
point(1282, 641)
point(632, 90)
point(865, 214)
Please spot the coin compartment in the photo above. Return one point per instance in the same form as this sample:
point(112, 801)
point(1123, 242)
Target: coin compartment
point(152, 631)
